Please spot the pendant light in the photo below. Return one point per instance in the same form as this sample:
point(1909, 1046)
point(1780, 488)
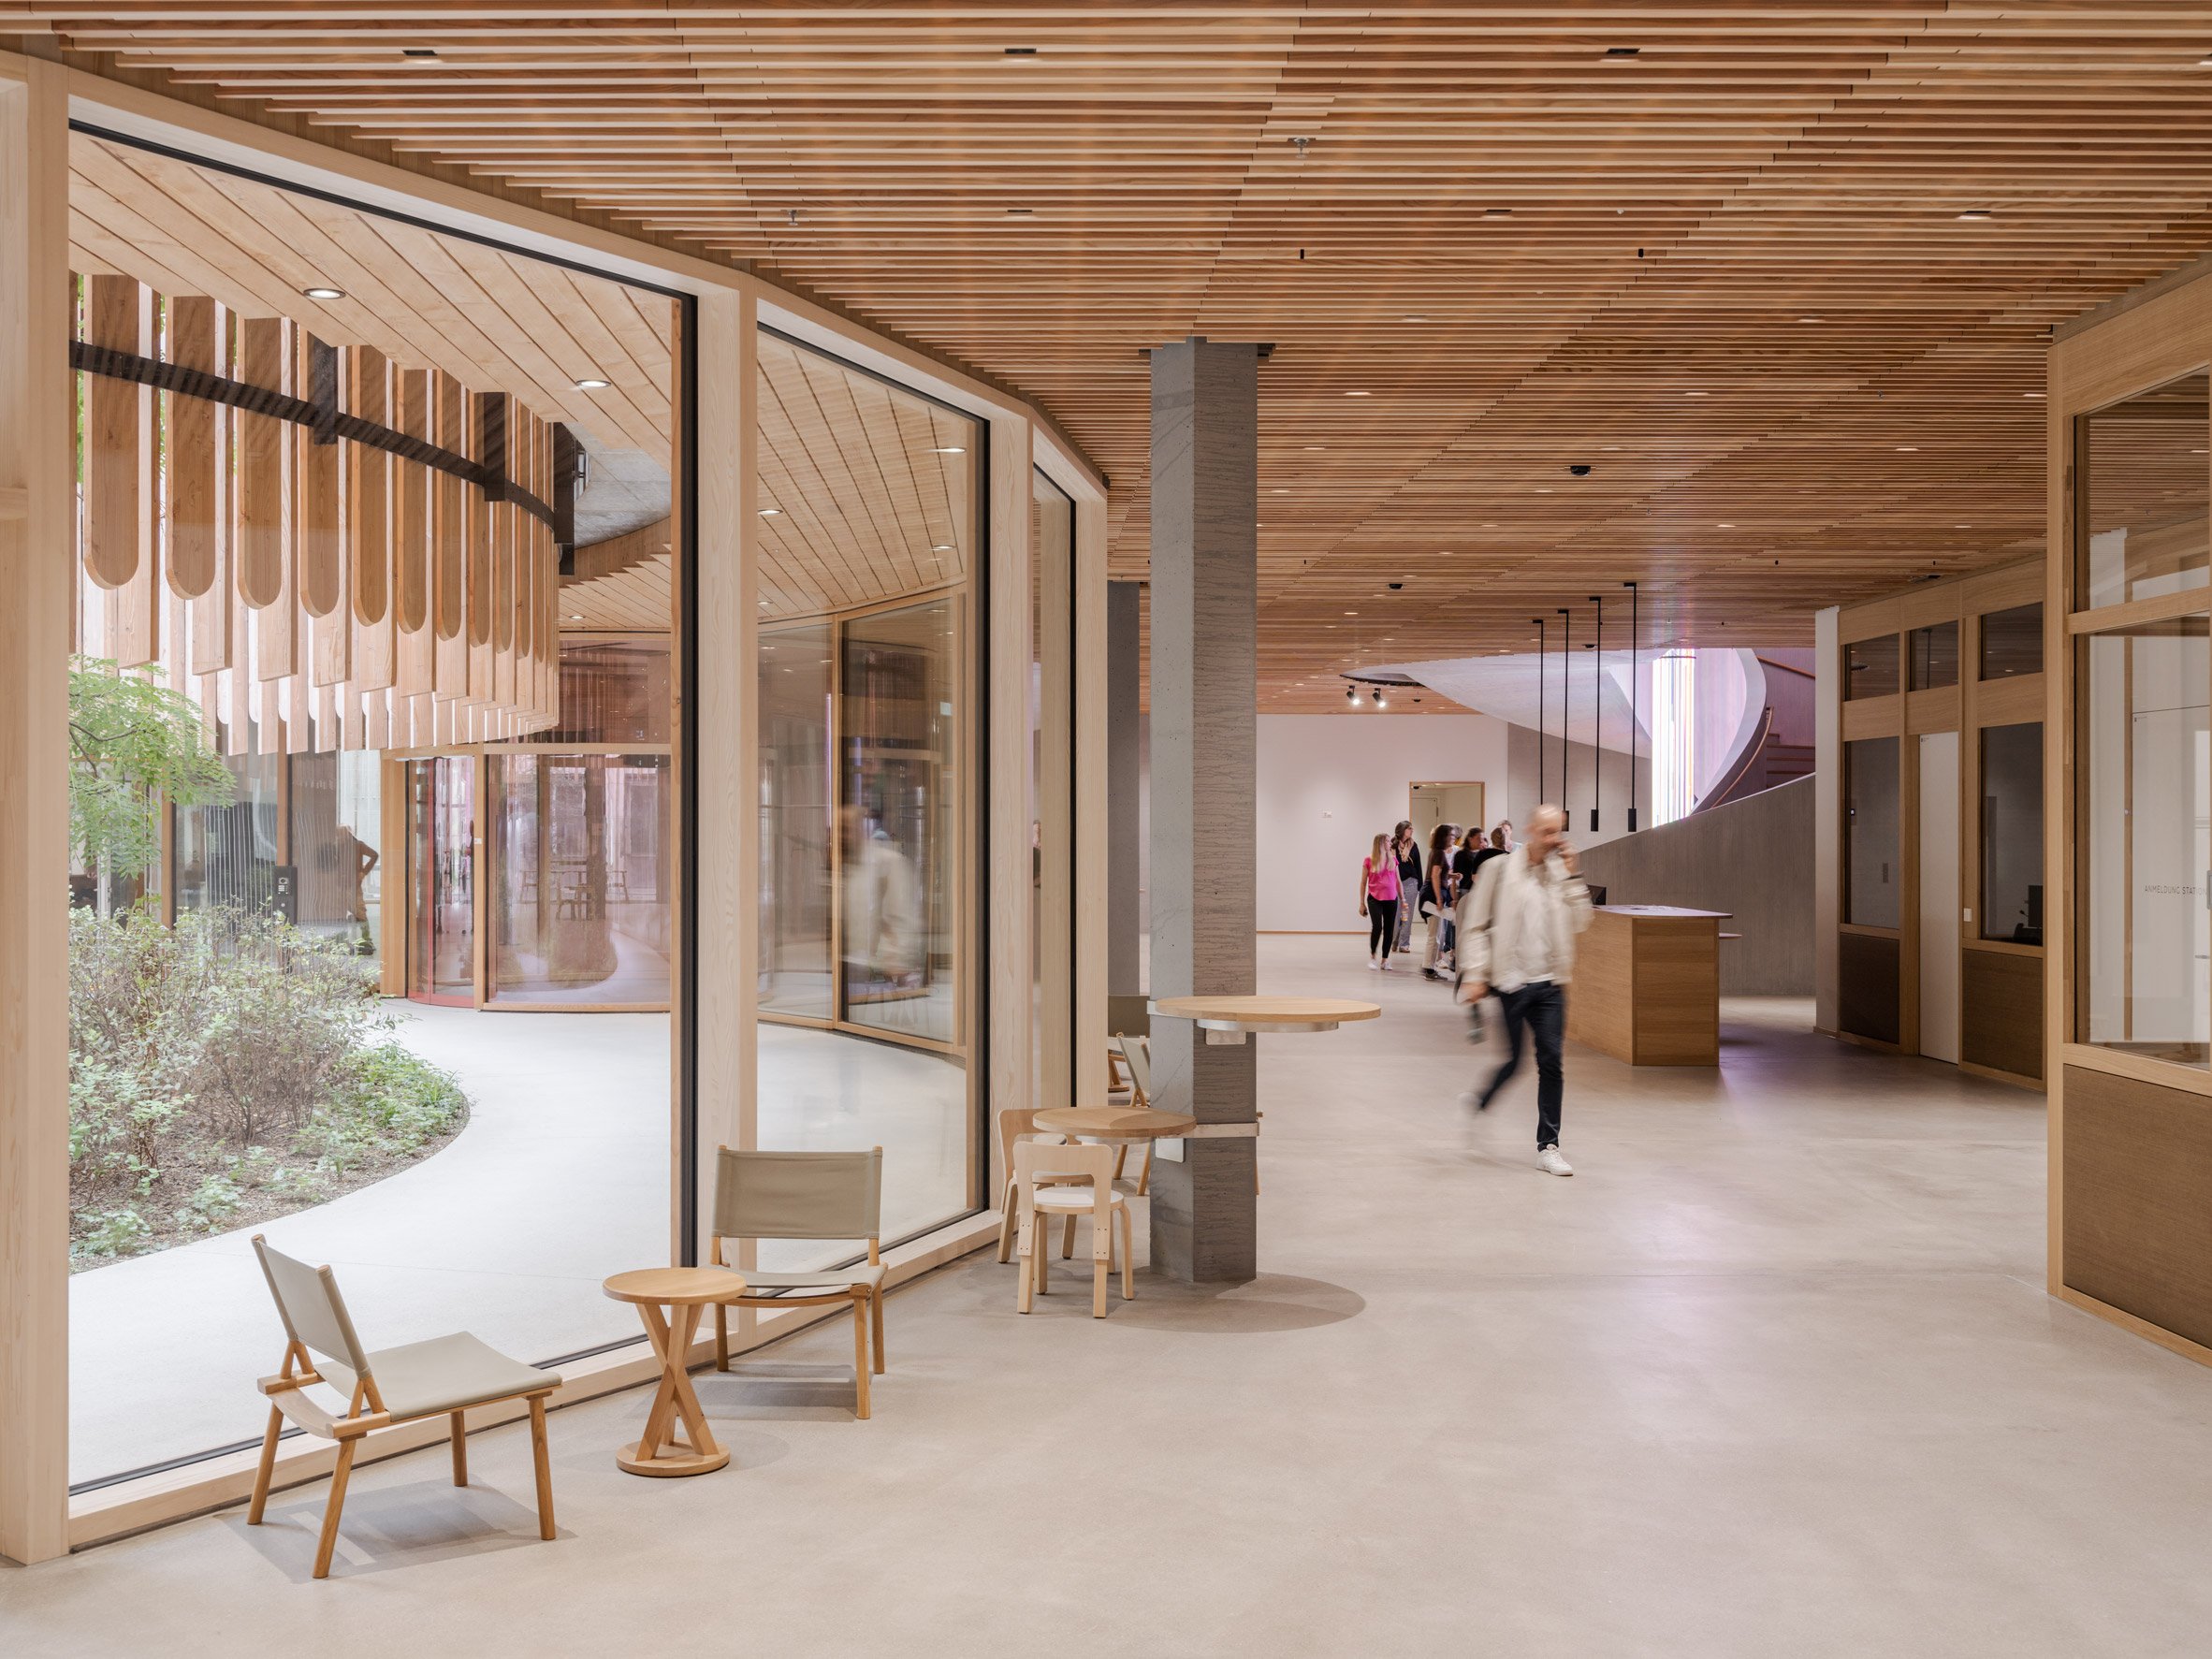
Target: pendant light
point(1541, 660)
point(1597, 702)
point(1567, 700)
point(1633, 722)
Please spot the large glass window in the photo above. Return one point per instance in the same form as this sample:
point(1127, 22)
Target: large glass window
point(2012, 833)
point(2145, 480)
point(2145, 802)
point(2012, 642)
point(1872, 890)
point(870, 522)
point(227, 855)
point(413, 584)
point(1870, 667)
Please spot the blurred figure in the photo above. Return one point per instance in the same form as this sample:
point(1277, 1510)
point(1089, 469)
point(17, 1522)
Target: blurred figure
point(1436, 899)
point(1407, 848)
point(883, 942)
point(1518, 922)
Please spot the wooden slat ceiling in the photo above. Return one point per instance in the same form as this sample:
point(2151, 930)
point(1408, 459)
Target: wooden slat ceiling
point(1716, 252)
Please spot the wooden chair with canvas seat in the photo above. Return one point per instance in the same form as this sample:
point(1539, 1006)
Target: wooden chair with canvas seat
point(440, 1378)
point(805, 1195)
point(1068, 1181)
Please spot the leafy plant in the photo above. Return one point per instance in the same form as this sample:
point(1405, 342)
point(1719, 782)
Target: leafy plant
point(227, 1070)
point(132, 741)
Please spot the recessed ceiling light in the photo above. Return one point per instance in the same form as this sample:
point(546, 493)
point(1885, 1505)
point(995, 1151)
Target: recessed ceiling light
point(323, 293)
point(1623, 54)
point(1724, 527)
point(1278, 492)
point(1541, 490)
point(576, 615)
point(1313, 447)
point(1351, 613)
point(770, 512)
point(2030, 394)
point(1696, 394)
point(942, 547)
point(2205, 62)
point(1976, 213)
point(1019, 212)
point(951, 449)
point(418, 51)
point(1358, 394)
point(1962, 527)
point(593, 384)
point(1496, 212)
point(1021, 51)
point(1813, 319)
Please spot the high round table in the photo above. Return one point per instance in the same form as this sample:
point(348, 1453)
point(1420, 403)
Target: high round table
point(1116, 1123)
point(686, 1293)
point(1230, 1019)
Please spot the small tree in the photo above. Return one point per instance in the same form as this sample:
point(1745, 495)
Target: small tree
point(131, 742)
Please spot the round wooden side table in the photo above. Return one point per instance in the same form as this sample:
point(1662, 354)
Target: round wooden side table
point(686, 1293)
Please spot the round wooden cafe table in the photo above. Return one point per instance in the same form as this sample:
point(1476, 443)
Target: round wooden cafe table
point(1240, 1014)
point(686, 1293)
point(1116, 1123)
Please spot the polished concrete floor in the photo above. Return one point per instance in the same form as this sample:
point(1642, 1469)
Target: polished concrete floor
point(1772, 1375)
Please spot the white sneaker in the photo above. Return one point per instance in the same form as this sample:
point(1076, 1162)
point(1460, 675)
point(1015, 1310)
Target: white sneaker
point(1373, 966)
point(1552, 1163)
point(1384, 965)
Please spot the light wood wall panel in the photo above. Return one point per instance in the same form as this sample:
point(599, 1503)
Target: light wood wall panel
point(37, 508)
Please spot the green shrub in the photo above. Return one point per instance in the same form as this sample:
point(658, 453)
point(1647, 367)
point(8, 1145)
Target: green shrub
point(104, 1233)
point(225, 1069)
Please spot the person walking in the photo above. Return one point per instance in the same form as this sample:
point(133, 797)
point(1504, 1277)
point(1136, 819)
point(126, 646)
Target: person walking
point(1407, 848)
point(1466, 865)
point(1437, 896)
point(1518, 924)
point(1378, 901)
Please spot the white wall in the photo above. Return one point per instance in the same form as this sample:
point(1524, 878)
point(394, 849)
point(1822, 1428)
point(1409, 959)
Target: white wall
point(1329, 782)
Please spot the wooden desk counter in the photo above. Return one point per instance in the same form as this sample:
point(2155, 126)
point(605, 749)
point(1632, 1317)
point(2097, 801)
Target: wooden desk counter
point(1647, 985)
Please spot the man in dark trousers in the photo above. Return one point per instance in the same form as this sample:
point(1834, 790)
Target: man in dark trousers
point(1516, 926)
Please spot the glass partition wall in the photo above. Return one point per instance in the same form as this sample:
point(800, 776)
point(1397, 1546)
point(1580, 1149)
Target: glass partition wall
point(1940, 921)
point(870, 814)
point(2142, 697)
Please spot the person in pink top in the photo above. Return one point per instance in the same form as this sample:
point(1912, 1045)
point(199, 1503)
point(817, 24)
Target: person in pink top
point(1378, 902)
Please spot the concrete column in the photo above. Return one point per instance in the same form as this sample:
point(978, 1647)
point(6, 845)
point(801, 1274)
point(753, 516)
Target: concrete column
point(1206, 563)
point(1124, 695)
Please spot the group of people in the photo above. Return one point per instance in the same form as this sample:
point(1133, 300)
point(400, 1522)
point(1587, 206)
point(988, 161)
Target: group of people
point(1501, 920)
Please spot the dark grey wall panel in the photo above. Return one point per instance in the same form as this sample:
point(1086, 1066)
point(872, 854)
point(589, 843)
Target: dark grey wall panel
point(1752, 858)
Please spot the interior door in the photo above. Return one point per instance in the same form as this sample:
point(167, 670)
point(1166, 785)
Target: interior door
point(1939, 895)
point(442, 846)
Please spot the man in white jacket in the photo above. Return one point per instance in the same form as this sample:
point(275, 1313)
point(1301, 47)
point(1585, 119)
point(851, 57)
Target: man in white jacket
point(1516, 928)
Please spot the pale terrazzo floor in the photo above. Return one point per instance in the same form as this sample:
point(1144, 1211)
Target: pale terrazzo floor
point(1774, 1374)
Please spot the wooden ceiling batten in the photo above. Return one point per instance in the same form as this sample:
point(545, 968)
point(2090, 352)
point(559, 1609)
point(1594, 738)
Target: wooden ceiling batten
point(1587, 244)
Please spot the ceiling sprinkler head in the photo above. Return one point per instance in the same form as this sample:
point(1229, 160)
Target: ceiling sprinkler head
point(1300, 145)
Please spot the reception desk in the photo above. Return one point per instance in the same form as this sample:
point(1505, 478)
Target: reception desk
point(1647, 985)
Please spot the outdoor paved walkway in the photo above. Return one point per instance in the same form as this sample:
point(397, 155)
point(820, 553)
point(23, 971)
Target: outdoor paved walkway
point(559, 1179)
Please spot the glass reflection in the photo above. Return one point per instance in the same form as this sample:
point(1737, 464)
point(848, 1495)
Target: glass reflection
point(2012, 833)
point(337, 845)
point(896, 822)
point(581, 844)
point(1871, 832)
point(2145, 483)
point(796, 678)
point(2146, 805)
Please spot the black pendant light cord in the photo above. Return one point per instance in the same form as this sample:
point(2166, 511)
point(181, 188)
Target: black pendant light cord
point(1635, 707)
